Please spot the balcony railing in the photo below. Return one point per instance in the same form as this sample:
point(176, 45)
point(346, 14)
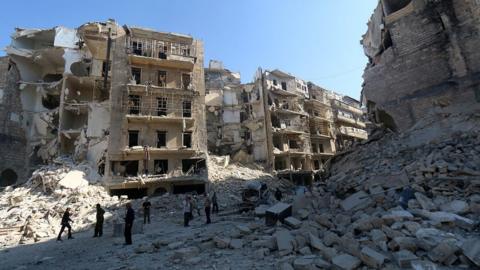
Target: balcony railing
point(353, 132)
point(159, 106)
point(160, 49)
point(348, 107)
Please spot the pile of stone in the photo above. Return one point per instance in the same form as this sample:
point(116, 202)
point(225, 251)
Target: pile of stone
point(33, 211)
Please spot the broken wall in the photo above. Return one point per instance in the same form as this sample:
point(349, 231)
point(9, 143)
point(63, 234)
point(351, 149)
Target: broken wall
point(424, 61)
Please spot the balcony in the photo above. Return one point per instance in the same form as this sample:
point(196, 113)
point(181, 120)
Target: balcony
point(153, 89)
point(317, 102)
point(159, 109)
point(342, 105)
point(353, 132)
point(161, 53)
point(352, 121)
point(281, 92)
point(139, 151)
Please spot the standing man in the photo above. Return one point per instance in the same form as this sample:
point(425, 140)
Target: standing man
point(146, 211)
point(214, 203)
point(99, 224)
point(278, 194)
point(207, 208)
point(129, 217)
point(187, 208)
point(65, 224)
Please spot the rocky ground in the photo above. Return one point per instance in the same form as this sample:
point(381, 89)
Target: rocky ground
point(351, 220)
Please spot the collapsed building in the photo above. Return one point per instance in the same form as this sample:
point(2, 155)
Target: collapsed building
point(129, 101)
point(423, 59)
point(292, 126)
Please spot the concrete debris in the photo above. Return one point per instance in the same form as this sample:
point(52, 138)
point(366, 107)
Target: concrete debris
point(346, 262)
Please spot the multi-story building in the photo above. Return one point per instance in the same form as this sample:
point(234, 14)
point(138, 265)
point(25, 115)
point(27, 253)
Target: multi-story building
point(128, 101)
point(322, 128)
point(157, 133)
point(349, 120)
point(235, 116)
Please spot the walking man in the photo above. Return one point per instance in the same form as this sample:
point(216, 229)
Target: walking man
point(99, 224)
point(129, 217)
point(65, 224)
point(187, 210)
point(214, 203)
point(207, 208)
point(146, 211)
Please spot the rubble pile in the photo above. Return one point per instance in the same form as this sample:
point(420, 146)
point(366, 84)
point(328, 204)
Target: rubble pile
point(229, 179)
point(32, 211)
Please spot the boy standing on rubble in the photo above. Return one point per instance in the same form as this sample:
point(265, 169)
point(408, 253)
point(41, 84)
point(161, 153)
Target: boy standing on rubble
point(129, 217)
point(207, 208)
point(214, 203)
point(65, 224)
point(99, 224)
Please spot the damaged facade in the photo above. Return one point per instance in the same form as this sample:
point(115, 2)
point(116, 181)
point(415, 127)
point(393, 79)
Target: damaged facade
point(291, 125)
point(423, 59)
point(128, 101)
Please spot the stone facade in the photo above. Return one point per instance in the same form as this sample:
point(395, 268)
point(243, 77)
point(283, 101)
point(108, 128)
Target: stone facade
point(424, 59)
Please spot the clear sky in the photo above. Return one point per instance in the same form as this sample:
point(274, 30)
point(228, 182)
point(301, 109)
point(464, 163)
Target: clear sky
point(316, 40)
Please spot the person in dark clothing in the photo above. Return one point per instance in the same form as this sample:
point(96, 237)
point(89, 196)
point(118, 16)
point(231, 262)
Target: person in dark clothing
point(99, 224)
point(405, 196)
point(278, 194)
point(207, 208)
point(129, 217)
point(146, 211)
point(187, 211)
point(214, 203)
point(65, 224)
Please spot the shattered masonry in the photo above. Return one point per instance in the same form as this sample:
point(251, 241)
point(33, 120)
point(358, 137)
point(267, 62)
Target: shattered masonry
point(128, 101)
point(139, 106)
point(292, 125)
point(423, 59)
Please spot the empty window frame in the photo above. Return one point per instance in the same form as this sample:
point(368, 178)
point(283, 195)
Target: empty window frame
point(316, 164)
point(293, 144)
point(137, 75)
point(275, 82)
point(284, 86)
point(137, 48)
point(160, 166)
point(104, 67)
point(162, 106)
point(133, 104)
point(132, 138)
point(187, 108)
point(162, 78)
point(161, 139)
point(320, 146)
point(187, 139)
point(186, 80)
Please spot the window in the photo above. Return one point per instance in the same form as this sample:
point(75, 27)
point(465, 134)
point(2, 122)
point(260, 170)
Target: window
point(293, 144)
point(161, 139)
point(187, 108)
point(187, 139)
point(321, 148)
point(299, 86)
point(314, 148)
point(284, 86)
point(186, 79)
point(162, 106)
point(285, 105)
point(137, 75)
point(104, 67)
point(314, 97)
point(162, 54)
point(162, 78)
point(315, 113)
point(132, 138)
point(137, 48)
point(316, 164)
point(160, 166)
point(275, 82)
point(133, 104)
point(131, 167)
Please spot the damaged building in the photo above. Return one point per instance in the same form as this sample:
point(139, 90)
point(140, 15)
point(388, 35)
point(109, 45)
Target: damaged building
point(423, 59)
point(235, 116)
point(128, 101)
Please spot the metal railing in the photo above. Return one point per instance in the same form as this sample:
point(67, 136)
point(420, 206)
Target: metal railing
point(159, 49)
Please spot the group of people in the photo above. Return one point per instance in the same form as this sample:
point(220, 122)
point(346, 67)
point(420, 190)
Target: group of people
point(188, 207)
point(190, 204)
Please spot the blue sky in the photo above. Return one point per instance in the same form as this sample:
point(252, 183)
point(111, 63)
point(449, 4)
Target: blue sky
point(316, 40)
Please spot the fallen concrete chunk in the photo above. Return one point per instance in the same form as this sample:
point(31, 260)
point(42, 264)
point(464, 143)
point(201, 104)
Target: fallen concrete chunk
point(293, 222)
point(425, 202)
point(423, 265)
point(303, 264)
point(372, 258)
point(284, 241)
point(398, 215)
point(471, 249)
point(236, 243)
point(456, 207)
point(278, 212)
point(73, 179)
point(404, 258)
point(260, 210)
point(243, 229)
point(221, 242)
point(442, 252)
point(186, 253)
point(357, 201)
point(346, 262)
